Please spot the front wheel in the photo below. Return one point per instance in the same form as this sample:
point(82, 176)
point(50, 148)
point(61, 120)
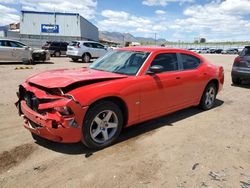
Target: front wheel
point(208, 97)
point(102, 125)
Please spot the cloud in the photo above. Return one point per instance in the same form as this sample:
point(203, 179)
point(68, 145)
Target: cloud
point(87, 8)
point(164, 2)
point(8, 15)
point(216, 20)
point(160, 12)
point(125, 22)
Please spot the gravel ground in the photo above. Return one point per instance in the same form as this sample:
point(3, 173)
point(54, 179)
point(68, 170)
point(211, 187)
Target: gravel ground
point(189, 148)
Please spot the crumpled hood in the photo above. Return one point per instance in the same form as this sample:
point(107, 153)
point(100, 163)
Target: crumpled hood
point(64, 77)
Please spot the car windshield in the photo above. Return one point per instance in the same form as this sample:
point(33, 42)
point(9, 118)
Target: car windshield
point(121, 62)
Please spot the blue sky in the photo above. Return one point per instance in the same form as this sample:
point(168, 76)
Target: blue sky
point(174, 20)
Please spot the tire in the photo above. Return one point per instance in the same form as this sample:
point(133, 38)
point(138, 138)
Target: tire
point(57, 54)
point(74, 59)
point(96, 133)
point(208, 97)
point(236, 81)
point(86, 58)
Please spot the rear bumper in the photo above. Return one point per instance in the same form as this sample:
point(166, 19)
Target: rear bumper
point(51, 126)
point(242, 74)
point(75, 54)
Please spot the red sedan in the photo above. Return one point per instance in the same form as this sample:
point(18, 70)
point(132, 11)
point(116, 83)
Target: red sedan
point(125, 87)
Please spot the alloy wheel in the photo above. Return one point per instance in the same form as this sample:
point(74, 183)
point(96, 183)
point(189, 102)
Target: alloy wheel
point(210, 97)
point(104, 126)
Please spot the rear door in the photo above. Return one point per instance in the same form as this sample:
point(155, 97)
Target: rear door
point(20, 51)
point(100, 49)
point(91, 48)
point(193, 78)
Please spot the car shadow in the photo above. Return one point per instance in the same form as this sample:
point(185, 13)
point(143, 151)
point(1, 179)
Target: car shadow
point(244, 84)
point(42, 62)
point(79, 61)
point(128, 133)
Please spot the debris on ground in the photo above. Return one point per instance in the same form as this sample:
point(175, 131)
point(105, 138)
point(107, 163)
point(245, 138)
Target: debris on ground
point(217, 176)
point(244, 184)
point(194, 166)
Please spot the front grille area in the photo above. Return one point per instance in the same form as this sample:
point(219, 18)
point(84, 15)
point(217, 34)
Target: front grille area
point(30, 98)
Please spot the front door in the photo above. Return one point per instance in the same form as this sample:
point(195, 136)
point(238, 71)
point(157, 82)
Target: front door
point(161, 93)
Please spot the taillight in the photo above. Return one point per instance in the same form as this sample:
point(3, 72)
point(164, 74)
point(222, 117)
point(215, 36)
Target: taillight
point(237, 61)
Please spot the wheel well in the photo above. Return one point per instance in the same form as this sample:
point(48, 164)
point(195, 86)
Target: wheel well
point(87, 54)
point(122, 105)
point(216, 82)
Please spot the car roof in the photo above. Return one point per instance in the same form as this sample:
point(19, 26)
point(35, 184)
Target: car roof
point(83, 41)
point(13, 41)
point(154, 49)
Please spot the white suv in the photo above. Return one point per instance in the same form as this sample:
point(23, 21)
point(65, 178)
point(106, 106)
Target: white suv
point(85, 50)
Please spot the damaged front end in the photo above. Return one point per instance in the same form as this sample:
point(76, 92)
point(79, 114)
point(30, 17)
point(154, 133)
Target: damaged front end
point(50, 114)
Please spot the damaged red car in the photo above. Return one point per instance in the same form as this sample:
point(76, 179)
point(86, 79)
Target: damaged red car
point(125, 87)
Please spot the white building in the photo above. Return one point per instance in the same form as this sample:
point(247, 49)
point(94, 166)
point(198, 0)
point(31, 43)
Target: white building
point(56, 26)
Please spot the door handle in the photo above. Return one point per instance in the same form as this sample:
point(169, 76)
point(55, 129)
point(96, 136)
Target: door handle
point(178, 77)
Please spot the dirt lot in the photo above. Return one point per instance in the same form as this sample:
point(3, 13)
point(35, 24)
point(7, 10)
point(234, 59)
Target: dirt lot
point(190, 148)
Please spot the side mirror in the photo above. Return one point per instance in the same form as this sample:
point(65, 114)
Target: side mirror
point(26, 47)
point(155, 69)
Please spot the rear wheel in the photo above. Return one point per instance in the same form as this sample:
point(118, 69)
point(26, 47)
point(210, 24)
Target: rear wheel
point(208, 97)
point(57, 54)
point(86, 58)
point(236, 81)
point(102, 125)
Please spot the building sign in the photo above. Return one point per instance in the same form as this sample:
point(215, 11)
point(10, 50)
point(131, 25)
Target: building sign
point(49, 28)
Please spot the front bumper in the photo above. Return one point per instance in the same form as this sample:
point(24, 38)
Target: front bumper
point(51, 124)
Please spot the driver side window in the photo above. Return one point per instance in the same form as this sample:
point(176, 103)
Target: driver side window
point(168, 61)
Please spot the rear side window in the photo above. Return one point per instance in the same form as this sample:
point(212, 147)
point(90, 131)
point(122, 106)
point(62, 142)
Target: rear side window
point(87, 44)
point(55, 44)
point(246, 51)
point(64, 44)
point(74, 43)
point(189, 61)
point(96, 45)
point(168, 61)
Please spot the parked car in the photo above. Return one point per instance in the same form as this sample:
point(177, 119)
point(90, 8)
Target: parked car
point(40, 55)
point(204, 50)
point(56, 48)
point(241, 67)
point(216, 51)
point(15, 51)
point(230, 51)
point(85, 50)
point(125, 87)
